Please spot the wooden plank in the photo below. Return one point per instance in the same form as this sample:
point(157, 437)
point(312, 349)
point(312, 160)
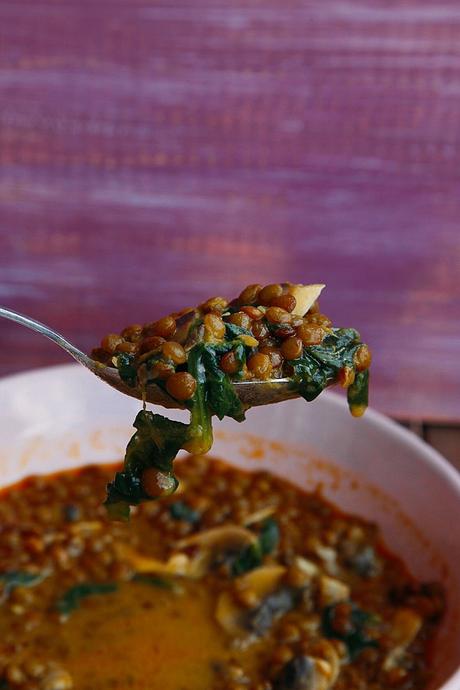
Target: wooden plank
point(446, 439)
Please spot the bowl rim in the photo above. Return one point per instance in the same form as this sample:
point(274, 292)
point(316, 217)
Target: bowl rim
point(436, 462)
point(377, 419)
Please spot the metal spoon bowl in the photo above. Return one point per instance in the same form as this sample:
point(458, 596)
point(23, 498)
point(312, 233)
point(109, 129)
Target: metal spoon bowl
point(251, 393)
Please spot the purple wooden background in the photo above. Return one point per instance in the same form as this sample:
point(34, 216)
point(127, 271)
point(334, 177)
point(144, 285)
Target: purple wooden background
point(155, 153)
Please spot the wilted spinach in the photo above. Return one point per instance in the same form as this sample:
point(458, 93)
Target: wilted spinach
point(252, 555)
point(72, 598)
point(181, 511)
point(356, 636)
point(18, 578)
point(155, 444)
point(153, 580)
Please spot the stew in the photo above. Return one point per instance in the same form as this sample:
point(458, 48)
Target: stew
point(239, 581)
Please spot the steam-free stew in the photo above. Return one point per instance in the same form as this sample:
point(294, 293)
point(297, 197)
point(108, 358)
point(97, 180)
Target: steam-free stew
point(239, 581)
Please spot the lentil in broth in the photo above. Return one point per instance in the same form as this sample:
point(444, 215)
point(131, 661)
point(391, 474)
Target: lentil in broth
point(240, 581)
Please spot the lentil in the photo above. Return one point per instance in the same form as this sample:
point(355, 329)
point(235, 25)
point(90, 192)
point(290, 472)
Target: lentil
point(269, 292)
point(214, 326)
point(174, 351)
point(253, 313)
point(229, 363)
point(239, 318)
point(292, 348)
point(277, 315)
point(310, 334)
point(151, 343)
point(259, 364)
point(181, 385)
point(250, 294)
point(362, 359)
point(165, 327)
point(110, 342)
point(286, 302)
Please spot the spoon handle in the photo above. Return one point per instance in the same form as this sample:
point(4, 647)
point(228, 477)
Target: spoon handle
point(48, 333)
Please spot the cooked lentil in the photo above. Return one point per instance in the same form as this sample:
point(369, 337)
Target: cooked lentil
point(323, 608)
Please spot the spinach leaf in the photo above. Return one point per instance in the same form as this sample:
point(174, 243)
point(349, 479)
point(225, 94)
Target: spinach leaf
point(155, 444)
point(19, 578)
point(319, 365)
point(181, 511)
point(240, 356)
point(221, 395)
point(252, 555)
point(72, 598)
point(127, 369)
point(233, 331)
point(123, 491)
point(269, 536)
point(248, 559)
point(152, 580)
point(309, 378)
point(355, 635)
point(358, 393)
point(200, 429)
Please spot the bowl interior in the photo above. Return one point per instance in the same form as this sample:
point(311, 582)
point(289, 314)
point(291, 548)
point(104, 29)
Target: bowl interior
point(63, 417)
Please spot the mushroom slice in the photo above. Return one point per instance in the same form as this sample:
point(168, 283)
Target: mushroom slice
point(260, 515)
point(262, 581)
point(213, 543)
point(307, 567)
point(327, 662)
point(220, 539)
point(306, 296)
point(405, 627)
point(332, 591)
point(177, 564)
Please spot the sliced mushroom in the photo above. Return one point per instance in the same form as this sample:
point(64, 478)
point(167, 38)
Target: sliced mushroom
point(405, 627)
point(306, 296)
point(260, 515)
point(327, 661)
point(327, 554)
point(177, 564)
point(332, 591)
point(214, 543)
point(307, 567)
point(263, 582)
point(225, 538)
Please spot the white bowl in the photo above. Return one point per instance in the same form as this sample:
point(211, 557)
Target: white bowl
point(62, 417)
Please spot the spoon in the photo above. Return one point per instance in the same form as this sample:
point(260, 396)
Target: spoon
point(251, 393)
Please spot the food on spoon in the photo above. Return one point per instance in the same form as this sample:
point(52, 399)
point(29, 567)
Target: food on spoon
point(270, 332)
point(242, 581)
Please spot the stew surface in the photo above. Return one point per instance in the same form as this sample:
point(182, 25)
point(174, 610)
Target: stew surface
point(239, 581)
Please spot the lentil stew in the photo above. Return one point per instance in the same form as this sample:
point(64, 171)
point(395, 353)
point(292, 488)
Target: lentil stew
point(240, 581)
point(270, 332)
